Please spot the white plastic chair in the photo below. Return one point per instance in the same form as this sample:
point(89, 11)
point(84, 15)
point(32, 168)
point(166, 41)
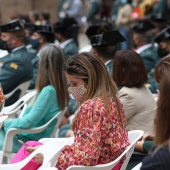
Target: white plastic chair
point(23, 87)
point(54, 158)
point(14, 108)
point(138, 166)
point(50, 150)
point(133, 136)
point(8, 142)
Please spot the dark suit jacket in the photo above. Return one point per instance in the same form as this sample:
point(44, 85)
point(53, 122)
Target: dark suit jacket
point(160, 160)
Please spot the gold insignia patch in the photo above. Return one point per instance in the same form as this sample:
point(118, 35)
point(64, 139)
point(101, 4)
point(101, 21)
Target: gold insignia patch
point(1, 64)
point(148, 85)
point(14, 66)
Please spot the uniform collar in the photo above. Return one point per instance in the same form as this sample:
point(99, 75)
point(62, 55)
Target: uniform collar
point(17, 48)
point(107, 62)
point(63, 44)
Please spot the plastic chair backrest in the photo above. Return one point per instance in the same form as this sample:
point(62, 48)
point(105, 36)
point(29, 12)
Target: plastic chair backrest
point(138, 166)
point(8, 110)
point(133, 136)
point(49, 150)
point(23, 87)
point(59, 118)
point(53, 161)
point(8, 142)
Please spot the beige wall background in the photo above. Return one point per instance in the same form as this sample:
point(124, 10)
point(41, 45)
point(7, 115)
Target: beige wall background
point(11, 8)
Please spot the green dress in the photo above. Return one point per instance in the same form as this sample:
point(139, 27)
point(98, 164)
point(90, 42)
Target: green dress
point(35, 115)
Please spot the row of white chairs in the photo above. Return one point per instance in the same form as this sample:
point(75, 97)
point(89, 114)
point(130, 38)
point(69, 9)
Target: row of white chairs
point(11, 111)
point(52, 148)
point(22, 87)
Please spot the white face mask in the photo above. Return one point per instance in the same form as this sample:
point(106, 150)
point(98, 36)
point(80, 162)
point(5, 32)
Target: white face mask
point(78, 92)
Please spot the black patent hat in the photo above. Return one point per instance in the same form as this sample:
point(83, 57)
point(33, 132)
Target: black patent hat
point(30, 26)
point(44, 29)
point(65, 23)
point(96, 27)
point(107, 38)
point(143, 26)
point(163, 35)
point(13, 25)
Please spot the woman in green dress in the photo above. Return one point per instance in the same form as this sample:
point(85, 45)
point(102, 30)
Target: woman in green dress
point(51, 97)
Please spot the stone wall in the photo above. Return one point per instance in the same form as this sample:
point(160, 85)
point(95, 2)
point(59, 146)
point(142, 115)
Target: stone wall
point(11, 8)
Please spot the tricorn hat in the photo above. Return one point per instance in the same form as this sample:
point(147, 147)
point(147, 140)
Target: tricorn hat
point(98, 27)
point(143, 26)
point(107, 38)
point(44, 29)
point(163, 35)
point(65, 23)
point(13, 25)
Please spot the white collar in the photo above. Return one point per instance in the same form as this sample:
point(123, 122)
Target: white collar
point(143, 48)
point(107, 62)
point(63, 44)
point(17, 48)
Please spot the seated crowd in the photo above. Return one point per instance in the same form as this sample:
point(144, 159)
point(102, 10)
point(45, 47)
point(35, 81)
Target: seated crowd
point(107, 91)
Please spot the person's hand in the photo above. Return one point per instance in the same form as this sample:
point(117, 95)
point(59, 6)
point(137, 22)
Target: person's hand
point(69, 133)
point(147, 137)
point(38, 157)
point(1, 114)
point(31, 149)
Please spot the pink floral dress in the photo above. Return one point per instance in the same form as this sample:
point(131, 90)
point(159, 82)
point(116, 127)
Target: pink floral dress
point(99, 136)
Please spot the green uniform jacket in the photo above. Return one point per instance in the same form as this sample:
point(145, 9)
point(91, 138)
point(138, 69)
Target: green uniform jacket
point(152, 84)
point(35, 115)
point(16, 68)
point(70, 49)
point(160, 7)
point(150, 58)
point(34, 61)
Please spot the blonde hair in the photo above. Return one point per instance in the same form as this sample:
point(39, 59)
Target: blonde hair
point(92, 70)
point(51, 71)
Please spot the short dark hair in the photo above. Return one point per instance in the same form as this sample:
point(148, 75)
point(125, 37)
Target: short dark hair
point(107, 52)
point(67, 32)
point(129, 69)
point(49, 38)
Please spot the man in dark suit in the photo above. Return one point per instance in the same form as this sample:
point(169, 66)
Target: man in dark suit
point(16, 67)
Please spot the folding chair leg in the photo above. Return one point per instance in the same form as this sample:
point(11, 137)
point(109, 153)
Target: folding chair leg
point(1, 157)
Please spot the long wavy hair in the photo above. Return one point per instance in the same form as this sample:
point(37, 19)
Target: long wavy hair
point(94, 73)
point(162, 126)
point(162, 69)
point(51, 72)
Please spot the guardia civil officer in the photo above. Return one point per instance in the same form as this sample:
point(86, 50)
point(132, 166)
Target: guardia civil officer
point(16, 67)
point(163, 41)
point(42, 35)
point(65, 30)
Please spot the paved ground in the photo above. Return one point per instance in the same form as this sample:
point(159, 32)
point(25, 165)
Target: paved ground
point(83, 41)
